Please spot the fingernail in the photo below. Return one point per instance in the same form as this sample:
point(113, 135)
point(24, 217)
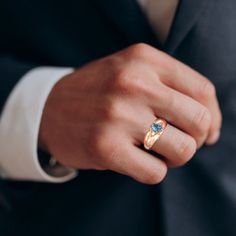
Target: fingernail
point(213, 138)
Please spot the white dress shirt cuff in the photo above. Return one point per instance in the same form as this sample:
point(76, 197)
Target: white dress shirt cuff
point(19, 127)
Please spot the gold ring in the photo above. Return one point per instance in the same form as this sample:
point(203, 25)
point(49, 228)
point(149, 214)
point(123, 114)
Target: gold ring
point(154, 133)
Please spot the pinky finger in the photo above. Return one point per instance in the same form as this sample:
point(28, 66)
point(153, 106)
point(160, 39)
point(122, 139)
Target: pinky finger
point(140, 165)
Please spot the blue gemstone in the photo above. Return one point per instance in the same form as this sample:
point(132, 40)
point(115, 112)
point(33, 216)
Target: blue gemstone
point(156, 127)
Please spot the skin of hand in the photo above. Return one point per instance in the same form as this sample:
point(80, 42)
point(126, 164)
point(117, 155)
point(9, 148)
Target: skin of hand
point(97, 116)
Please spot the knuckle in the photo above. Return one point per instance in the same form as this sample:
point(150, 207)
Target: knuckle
point(121, 79)
point(113, 155)
point(207, 89)
point(220, 120)
point(216, 123)
point(187, 148)
point(138, 50)
point(111, 110)
point(104, 149)
point(98, 143)
point(154, 177)
point(100, 167)
point(127, 81)
point(201, 121)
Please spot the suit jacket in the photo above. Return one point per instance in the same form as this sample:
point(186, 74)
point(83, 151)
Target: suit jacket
point(198, 199)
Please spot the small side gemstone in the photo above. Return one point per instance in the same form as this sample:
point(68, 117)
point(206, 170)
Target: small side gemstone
point(156, 127)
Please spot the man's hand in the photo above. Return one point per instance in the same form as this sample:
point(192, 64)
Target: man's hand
point(97, 117)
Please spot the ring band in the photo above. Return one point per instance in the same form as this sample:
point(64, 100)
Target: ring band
point(154, 133)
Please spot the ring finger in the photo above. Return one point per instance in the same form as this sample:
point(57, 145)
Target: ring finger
point(174, 145)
